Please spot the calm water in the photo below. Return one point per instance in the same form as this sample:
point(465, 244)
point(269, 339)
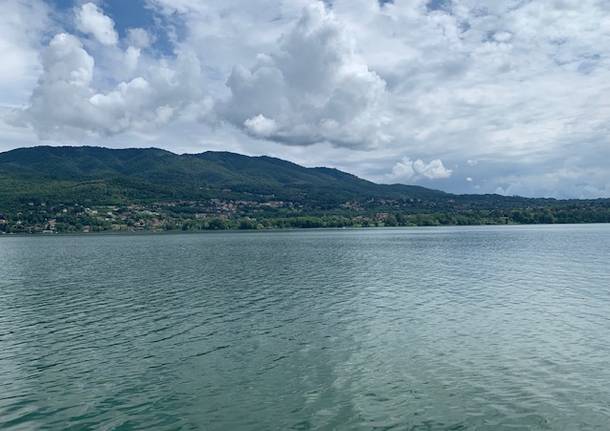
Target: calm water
point(482, 328)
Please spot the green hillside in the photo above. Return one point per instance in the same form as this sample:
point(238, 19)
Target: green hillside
point(43, 184)
point(158, 174)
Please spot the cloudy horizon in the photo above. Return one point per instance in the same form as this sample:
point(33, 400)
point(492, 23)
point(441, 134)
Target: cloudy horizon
point(511, 97)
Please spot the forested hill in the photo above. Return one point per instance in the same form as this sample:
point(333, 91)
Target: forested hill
point(159, 174)
point(41, 183)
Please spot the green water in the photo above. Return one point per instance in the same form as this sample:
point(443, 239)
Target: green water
point(481, 328)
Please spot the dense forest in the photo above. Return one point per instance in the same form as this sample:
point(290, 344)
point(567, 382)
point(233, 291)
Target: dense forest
point(87, 189)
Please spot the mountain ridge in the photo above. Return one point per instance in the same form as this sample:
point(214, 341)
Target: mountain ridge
point(90, 162)
point(39, 185)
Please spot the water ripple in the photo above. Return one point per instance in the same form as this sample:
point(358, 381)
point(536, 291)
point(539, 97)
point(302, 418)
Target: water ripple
point(491, 328)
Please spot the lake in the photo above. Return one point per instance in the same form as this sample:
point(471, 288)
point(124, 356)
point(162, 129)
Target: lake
point(453, 328)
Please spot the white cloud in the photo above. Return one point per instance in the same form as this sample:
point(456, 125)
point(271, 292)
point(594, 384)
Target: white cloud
point(65, 60)
point(314, 88)
point(132, 56)
point(91, 20)
point(21, 27)
point(403, 170)
point(66, 104)
point(412, 170)
point(260, 126)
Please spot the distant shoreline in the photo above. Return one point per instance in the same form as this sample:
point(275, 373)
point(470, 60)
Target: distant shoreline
point(288, 229)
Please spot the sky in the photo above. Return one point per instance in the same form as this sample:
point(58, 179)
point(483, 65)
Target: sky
point(467, 96)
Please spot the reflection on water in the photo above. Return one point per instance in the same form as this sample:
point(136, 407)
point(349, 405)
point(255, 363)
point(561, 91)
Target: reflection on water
point(484, 328)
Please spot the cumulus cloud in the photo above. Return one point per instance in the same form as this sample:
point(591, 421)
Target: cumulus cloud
point(503, 93)
point(313, 88)
point(260, 126)
point(67, 104)
point(91, 20)
point(412, 170)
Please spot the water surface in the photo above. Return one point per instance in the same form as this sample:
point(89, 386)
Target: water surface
point(478, 328)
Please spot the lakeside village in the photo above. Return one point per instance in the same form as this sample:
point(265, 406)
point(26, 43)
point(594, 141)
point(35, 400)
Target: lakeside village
point(215, 214)
point(41, 217)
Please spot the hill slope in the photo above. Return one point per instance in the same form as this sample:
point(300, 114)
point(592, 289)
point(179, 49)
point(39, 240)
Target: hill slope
point(154, 173)
point(41, 185)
